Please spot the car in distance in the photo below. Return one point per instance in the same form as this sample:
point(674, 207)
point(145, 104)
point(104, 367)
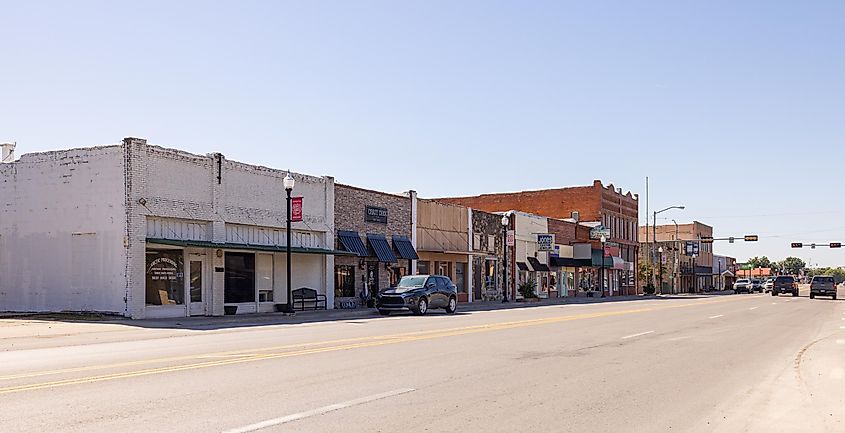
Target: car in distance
point(784, 284)
point(756, 285)
point(418, 294)
point(742, 285)
point(768, 284)
point(823, 285)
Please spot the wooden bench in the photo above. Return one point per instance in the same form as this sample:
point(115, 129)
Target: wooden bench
point(304, 295)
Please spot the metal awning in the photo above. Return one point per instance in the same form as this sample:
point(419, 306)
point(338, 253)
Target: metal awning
point(522, 266)
point(246, 247)
point(405, 248)
point(539, 267)
point(567, 262)
point(381, 248)
point(352, 242)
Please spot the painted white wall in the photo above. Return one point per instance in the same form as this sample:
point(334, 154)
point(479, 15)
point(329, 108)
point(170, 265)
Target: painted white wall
point(527, 227)
point(62, 228)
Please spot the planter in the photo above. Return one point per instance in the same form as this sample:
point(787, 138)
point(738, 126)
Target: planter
point(230, 310)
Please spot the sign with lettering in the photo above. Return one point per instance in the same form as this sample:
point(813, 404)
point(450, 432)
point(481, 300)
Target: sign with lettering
point(511, 238)
point(296, 209)
point(374, 214)
point(599, 231)
point(545, 242)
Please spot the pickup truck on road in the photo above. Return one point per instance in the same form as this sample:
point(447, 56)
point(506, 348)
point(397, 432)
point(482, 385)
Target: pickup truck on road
point(823, 285)
point(784, 284)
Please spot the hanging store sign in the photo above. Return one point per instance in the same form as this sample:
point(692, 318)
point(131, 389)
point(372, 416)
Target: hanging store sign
point(374, 214)
point(545, 242)
point(598, 231)
point(511, 238)
point(296, 209)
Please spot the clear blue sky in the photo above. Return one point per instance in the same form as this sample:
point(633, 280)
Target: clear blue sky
point(734, 109)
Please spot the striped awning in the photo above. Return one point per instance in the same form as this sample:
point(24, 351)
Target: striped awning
point(405, 248)
point(352, 242)
point(381, 248)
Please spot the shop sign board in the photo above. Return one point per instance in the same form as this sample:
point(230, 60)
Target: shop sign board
point(545, 242)
point(598, 231)
point(296, 209)
point(375, 214)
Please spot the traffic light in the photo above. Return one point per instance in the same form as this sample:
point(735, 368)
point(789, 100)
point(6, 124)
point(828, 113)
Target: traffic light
point(707, 240)
point(797, 245)
point(836, 245)
point(751, 238)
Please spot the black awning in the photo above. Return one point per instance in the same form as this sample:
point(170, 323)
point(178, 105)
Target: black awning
point(522, 266)
point(352, 242)
point(539, 267)
point(567, 262)
point(405, 248)
point(381, 248)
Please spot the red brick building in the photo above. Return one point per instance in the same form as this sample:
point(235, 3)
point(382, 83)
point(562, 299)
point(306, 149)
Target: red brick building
point(605, 204)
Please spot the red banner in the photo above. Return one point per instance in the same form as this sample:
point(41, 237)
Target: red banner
point(296, 209)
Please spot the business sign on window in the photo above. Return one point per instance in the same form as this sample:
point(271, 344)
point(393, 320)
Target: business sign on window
point(545, 242)
point(296, 209)
point(374, 214)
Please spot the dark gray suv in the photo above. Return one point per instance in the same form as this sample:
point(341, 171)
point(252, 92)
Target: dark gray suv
point(784, 284)
point(418, 294)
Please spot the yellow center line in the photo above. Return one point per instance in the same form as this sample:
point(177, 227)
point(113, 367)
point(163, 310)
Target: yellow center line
point(332, 346)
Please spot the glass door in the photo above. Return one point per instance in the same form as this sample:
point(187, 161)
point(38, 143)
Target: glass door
point(197, 284)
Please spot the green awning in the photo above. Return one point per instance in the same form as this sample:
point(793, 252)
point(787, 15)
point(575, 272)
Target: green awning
point(245, 247)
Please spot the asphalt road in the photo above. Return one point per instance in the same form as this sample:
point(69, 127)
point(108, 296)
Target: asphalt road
point(724, 363)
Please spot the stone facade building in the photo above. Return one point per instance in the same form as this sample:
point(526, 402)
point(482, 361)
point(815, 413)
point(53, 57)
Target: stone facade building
point(487, 256)
point(380, 229)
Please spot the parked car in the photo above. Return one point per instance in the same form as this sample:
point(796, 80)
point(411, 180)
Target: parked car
point(418, 294)
point(742, 285)
point(823, 285)
point(768, 284)
point(784, 284)
point(756, 285)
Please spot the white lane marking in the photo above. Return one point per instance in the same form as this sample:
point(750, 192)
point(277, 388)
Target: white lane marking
point(774, 303)
point(684, 337)
point(842, 327)
point(716, 317)
point(840, 341)
point(637, 335)
point(318, 411)
point(753, 308)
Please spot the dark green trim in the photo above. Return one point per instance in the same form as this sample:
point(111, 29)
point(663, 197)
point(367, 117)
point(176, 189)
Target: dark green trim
point(245, 247)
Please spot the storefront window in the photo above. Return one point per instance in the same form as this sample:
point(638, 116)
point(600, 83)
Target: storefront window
point(460, 277)
point(396, 274)
point(239, 284)
point(422, 268)
point(264, 269)
point(165, 277)
point(490, 275)
point(344, 281)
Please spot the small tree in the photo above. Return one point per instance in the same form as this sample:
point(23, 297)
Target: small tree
point(528, 289)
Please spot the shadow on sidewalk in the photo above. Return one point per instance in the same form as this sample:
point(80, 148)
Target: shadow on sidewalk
point(352, 317)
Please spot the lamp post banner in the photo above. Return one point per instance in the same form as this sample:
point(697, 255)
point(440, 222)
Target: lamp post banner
point(296, 209)
point(510, 238)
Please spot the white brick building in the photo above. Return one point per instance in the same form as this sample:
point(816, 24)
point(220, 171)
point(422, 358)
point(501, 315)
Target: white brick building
point(145, 231)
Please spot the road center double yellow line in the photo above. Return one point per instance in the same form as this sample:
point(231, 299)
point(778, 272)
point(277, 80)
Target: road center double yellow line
point(278, 352)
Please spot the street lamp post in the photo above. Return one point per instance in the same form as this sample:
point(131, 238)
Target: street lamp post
point(505, 222)
point(601, 277)
point(654, 238)
point(660, 267)
point(288, 183)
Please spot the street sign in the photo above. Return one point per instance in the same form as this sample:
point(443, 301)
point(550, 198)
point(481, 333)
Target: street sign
point(751, 238)
point(745, 266)
point(598, 231)
point(797, 245)
point(510, 239)
point(731, 239)
point(813, 246)
point(835, 245)
point(296, 209)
